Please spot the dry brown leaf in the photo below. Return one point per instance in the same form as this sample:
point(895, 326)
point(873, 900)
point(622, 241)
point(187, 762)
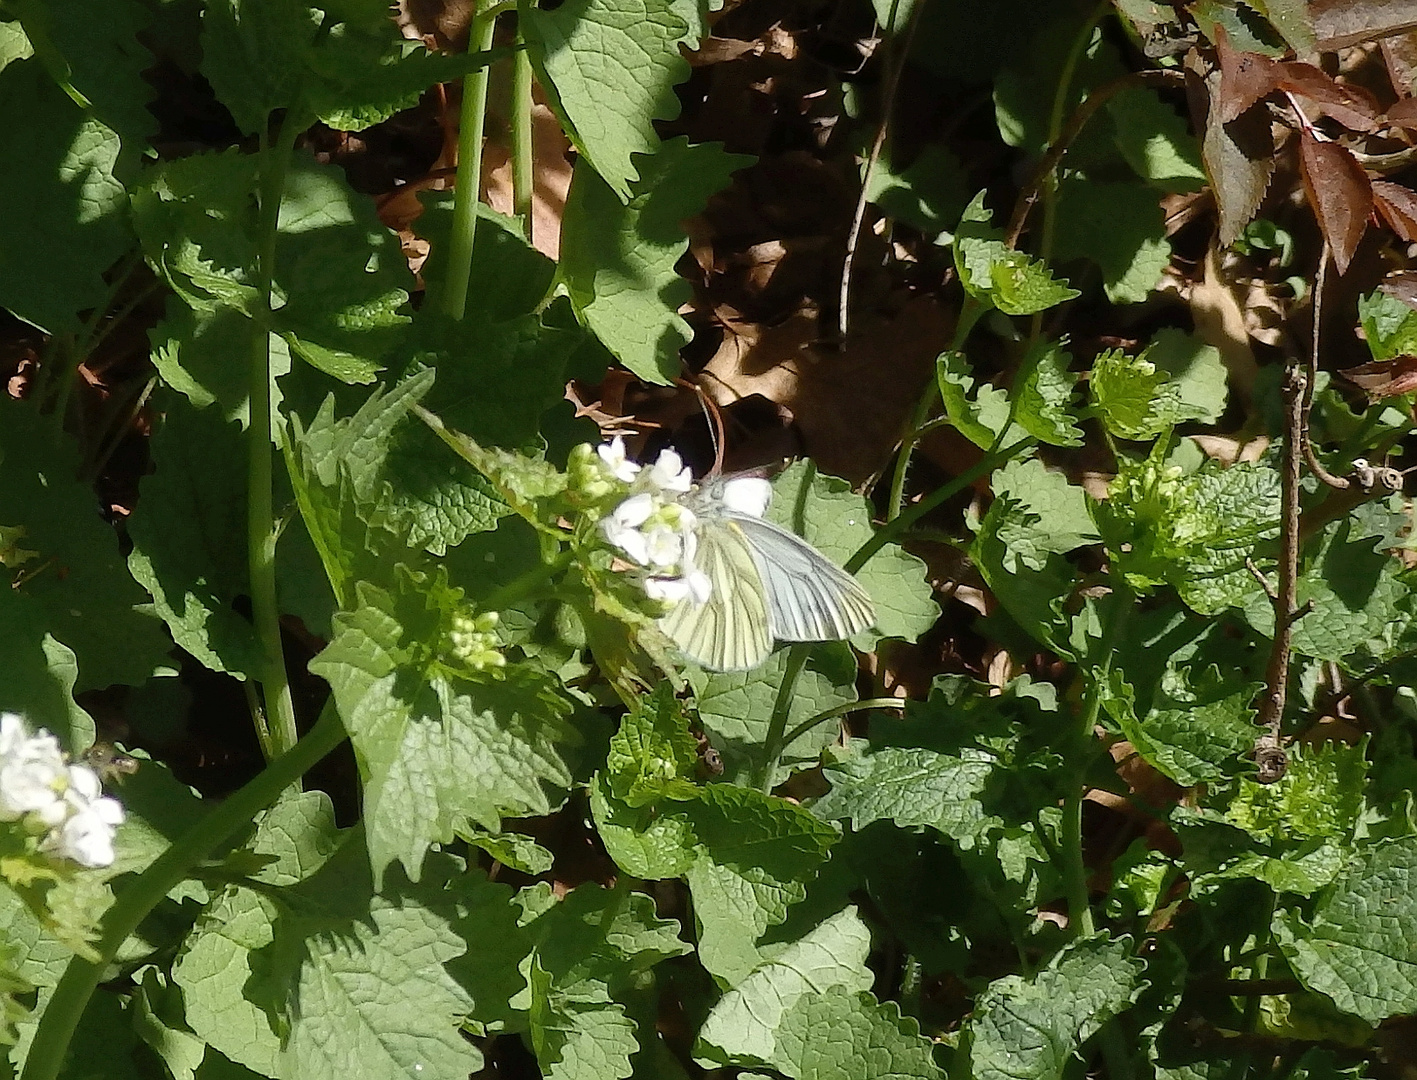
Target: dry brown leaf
point(1352, 106)
point(1229, 450)
point(551, 179)
point(849, 404)
point(1341, 23)
point(1402, 285)
point(1220, 321)
point(1385, 378)
point(1398, 207)
point(1400, 56)
point(1245, 79)
point(1339, 192)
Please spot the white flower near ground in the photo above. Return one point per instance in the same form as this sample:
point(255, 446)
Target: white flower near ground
point(747, 495)
point(65, 802)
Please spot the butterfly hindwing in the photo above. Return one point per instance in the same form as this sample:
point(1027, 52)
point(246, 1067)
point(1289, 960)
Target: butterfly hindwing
point(731, 631)
point(809, 597)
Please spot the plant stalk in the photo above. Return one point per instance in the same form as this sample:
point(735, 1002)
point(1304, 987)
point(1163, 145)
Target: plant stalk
point(468, 184)
point(261, 532)
point(523, 175)
point(143, 893)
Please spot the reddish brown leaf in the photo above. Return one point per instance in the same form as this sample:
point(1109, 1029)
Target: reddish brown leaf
point(1398, 206)
point(1245, 78)
point(1351, 106)
point(1339, 192)
point(1402, 285)
point(1239, 156)
point(1385, 378)
point(1404, 113)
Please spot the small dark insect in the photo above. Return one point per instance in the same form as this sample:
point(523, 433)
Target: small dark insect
point(111, 763)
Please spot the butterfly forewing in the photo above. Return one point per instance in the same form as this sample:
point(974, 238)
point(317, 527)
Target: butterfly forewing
point(732, 631)
point(809, 597)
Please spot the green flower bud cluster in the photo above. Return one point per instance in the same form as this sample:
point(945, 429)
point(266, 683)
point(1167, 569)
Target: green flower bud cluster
point(473, 640)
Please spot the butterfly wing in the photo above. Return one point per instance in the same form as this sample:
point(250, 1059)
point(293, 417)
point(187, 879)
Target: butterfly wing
point(730, 631)
point(809, 597)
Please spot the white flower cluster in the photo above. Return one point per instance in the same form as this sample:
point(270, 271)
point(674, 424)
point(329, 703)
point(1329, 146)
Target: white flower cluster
point(63, 801)
point(474, 640)
point(653, 528)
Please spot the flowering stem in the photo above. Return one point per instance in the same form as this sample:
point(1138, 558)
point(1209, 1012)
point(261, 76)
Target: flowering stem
point(143, 893)
point(261, 532)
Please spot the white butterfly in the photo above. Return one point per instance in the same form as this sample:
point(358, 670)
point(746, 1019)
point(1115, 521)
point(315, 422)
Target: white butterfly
point(765, 583)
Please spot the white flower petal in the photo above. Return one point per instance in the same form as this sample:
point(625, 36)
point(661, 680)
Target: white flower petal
point(635, 510)
point(670, 590)
point(664, 546)
point(669, 472)
point(613, 455)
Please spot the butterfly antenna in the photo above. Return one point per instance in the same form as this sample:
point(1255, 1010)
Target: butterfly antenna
point(714, 416)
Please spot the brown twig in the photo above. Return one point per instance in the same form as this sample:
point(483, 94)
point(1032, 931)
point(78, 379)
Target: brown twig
point(843, 315)
point(1269, 755)
point(1311, 458)
point(1081, 115)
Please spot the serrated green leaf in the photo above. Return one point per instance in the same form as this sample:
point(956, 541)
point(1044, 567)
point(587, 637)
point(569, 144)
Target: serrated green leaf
point(436, 749)
point(1349, 592)
point(929, 195)
point(1043, 395)
point(1365, 962)
point(521, 853)
point(735, 710)
point(1191, 733)
point(744, 1026)
point(1054, 516)
point(1136, 400)
point(1028, 1029)
point(509, 277)
point(1194, 369)
point(757, 854)
point(618, 250)
point(1032, 595)
point(993, 273)
point(653, 754)
point(60, 169)
point(832, 1035)
point(1320, 795)
point(612, 67)
point(76, 586)
point(912, 787)
point(1120, 228)
point(980, 419)
point(189, 537)
point(1389, 325)
point(581, 1034)
point(653, 845)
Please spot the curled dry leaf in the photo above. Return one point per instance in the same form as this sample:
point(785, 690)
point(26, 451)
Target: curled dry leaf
point(1385, 378)
point(1339, 192)
point(1402, 285)
point(1341, 23)
point(1398, 207)
point(1352, 106)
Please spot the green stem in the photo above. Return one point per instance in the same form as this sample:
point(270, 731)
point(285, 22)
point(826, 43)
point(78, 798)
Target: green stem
point(1241, 1066)
point(468, 184)
point(522, 174)
point(774, 744)
point(261, 532)
point(969, 314)
point(519, 588)
point(1055, 124)
point(145, 892)
point(840, 710)
point(897, 526)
